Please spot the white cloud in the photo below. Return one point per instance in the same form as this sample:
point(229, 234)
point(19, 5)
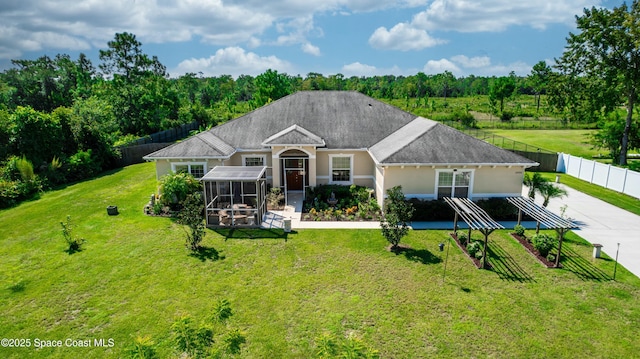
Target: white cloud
point(440, 66)
point(310, 49)
point(498, 15)
point(358, 69)
point(233, 61)
point(461, 65)
point(474, 62)
point(402, 37)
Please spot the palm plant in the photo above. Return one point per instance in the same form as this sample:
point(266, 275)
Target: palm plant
point(548, 190)
point(534, 183)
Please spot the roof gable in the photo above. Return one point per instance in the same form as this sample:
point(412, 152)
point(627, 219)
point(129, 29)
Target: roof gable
point(294, 135)
point(398, 140)
point(202, 145)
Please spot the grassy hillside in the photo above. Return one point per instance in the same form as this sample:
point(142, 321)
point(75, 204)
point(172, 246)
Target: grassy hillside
point(135, 278)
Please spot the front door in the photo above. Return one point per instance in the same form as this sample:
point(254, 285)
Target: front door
point(294, 180)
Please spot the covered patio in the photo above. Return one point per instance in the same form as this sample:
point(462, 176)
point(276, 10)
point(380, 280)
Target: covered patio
point(235, 196)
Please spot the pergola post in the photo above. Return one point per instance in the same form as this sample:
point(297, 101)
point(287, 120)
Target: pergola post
point(561, 232)
point(548, 218)
point(455, 224)
point(519, 216)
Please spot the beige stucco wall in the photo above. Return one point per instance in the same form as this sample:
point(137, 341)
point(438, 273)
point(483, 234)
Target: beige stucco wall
point(362, 163)
point(487, 181)
point(414, 180)
point(499, 181)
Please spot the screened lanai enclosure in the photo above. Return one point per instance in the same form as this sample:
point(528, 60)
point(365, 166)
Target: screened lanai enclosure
point(235, 196)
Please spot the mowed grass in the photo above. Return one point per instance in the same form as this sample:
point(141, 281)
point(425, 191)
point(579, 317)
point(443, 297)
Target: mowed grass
point(574, 142)
point(135, 277)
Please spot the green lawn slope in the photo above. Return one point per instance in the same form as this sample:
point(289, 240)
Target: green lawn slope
point(135, 277)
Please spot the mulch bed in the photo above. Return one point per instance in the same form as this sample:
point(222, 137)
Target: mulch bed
point(463, 248)
point(534, 252)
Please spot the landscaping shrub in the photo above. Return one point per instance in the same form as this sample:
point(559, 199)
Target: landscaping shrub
point(191, 339)
point(474, 247)
point(175, 187)
point(499, 209)
point(462, 238)
point(18, 181)
point(543, 243)
point(330, 346)
point(431, 210)
point(82, 165)
point(551, 257)
point(143, 348)
point(519, 230)
point(275, 197)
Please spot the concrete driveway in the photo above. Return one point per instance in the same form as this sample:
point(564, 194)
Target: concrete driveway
point(603, 223)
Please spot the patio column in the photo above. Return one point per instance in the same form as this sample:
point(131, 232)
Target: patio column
point(311, 171)
point(275, 171)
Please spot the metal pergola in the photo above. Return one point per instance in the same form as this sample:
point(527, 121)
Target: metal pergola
point(476, 218)
point(545, 217)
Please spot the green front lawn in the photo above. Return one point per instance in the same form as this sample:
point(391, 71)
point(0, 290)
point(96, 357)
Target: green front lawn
point(135, 278)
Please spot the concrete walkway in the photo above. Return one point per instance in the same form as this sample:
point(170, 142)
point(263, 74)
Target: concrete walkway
point(599, 222)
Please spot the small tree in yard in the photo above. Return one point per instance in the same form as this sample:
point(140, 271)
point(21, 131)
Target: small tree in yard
point(397, 215)
point(191, 216)
point(74, 242)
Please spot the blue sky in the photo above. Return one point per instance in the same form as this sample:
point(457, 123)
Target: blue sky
point(351, 37)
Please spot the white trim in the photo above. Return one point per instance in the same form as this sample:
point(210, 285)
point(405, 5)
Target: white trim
point(299, 148)
point(322, 177)
point(189, 164)
point(263, 156)
point(370, 177)
point(454, 170)
point(324, 149)
point(331, 181)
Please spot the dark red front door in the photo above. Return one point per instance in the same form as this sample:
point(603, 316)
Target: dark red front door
point(294, 180)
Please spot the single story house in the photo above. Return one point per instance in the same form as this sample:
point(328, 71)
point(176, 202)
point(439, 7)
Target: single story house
point(311, 138)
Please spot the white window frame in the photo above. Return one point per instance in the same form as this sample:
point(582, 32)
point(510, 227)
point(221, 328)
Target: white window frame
point(189, 164)
point(453, 183)
point(263, 157)
point(350, 181)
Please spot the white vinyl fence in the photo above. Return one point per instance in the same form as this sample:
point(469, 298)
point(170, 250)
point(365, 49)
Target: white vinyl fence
point(615, 178)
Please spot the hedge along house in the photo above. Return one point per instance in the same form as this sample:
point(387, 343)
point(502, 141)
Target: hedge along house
point(312, 138)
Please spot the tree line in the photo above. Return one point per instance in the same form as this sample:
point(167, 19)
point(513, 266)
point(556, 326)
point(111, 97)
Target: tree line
point(64, 115)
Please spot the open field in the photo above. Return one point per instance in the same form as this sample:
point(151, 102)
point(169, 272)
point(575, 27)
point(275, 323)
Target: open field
point(574, 142)
point(135, 277)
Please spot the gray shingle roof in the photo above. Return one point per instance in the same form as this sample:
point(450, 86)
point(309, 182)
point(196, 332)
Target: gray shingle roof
point(202, 145)
point(294, 135)
point(342, 120)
